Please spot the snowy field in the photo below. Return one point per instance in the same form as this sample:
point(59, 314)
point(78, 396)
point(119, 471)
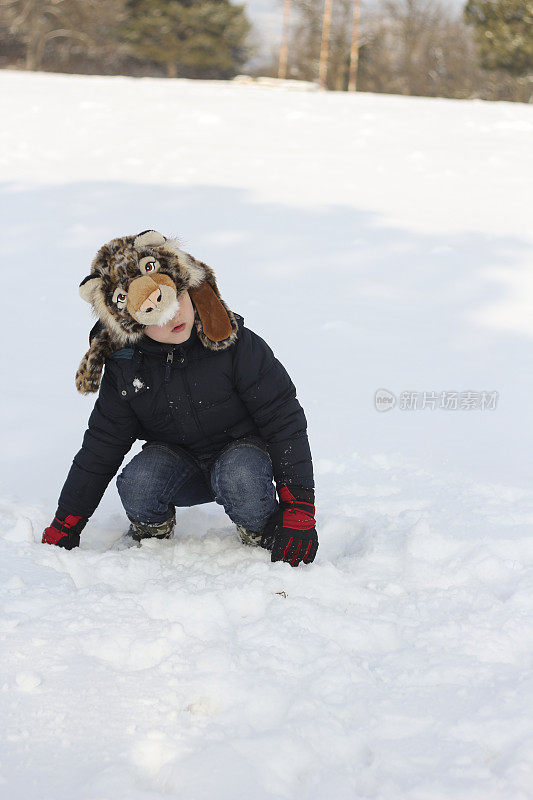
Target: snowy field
point(375, 242)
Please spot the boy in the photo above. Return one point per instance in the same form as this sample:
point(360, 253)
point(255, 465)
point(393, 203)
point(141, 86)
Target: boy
point(217, 410)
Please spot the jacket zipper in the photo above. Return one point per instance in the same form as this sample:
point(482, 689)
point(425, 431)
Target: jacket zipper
point(171, 406)
point(170, 359)
point(169, 362)
point(193, 409)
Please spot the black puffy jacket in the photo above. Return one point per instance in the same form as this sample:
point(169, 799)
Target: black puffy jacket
point(195, 398)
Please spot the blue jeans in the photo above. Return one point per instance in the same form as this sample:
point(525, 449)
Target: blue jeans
point(162, 476)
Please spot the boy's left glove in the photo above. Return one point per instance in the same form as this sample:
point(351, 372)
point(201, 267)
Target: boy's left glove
point(290, 533)
point(65, 530)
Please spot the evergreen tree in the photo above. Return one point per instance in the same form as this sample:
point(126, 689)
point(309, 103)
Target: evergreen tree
point(193, 38)
point(504, 33)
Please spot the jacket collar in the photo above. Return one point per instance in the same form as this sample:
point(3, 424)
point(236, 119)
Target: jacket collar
point(151, 347)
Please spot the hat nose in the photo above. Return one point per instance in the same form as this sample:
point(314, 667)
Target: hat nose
point(144, 294)
point(152, 301)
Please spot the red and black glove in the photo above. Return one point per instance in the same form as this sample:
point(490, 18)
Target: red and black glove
point(65, 530)
point(290, 533)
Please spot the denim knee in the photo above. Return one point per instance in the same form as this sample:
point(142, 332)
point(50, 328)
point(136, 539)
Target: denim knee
point(242, 482)
point(142, 486)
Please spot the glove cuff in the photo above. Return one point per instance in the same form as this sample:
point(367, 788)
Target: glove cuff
point(295, 494)
point(66, 522)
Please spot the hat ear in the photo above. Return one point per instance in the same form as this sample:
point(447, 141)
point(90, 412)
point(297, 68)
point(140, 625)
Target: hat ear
point(88, 285)
point(148, 239)
point(89, 372)
point(216, 322)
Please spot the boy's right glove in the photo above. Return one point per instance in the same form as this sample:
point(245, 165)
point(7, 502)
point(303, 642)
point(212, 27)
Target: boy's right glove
point(290, 533)
point(65, 530)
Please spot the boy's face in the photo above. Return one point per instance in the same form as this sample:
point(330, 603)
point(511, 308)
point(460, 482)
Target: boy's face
point(171, 332)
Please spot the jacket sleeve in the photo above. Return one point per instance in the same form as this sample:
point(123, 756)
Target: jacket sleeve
point(269, 395)
point(112, 429)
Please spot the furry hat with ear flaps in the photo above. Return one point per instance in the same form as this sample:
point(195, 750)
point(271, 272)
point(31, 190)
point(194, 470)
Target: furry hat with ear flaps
point(135, 281)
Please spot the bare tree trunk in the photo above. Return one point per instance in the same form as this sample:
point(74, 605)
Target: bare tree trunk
point(32, 48)
point(284, 50)
point(324, 48)
point(354, 52)
point(172, 69)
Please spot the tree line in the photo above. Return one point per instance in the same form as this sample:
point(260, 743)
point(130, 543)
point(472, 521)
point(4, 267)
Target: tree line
point(173, 38)
point(419, 47)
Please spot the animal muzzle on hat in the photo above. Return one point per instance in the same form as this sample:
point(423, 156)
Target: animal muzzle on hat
point(136, 281)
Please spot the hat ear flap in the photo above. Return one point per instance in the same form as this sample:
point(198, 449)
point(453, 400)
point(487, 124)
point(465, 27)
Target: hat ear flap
point(216, 322)
point(89, 372)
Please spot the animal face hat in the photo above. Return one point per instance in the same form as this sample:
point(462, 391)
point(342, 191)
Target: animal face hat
point(135, 281)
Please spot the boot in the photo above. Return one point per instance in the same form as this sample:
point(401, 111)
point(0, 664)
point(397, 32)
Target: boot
point(250, 538)
point(147, 530)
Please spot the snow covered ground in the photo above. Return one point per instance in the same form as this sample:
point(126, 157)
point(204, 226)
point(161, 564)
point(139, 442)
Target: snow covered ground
point(375, 242)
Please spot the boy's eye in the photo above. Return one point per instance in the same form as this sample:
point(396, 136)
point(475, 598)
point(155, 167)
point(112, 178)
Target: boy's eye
point(150, 266)
point(121, 298)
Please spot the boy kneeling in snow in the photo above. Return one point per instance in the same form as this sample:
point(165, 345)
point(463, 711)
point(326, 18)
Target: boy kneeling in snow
point(217, 410)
